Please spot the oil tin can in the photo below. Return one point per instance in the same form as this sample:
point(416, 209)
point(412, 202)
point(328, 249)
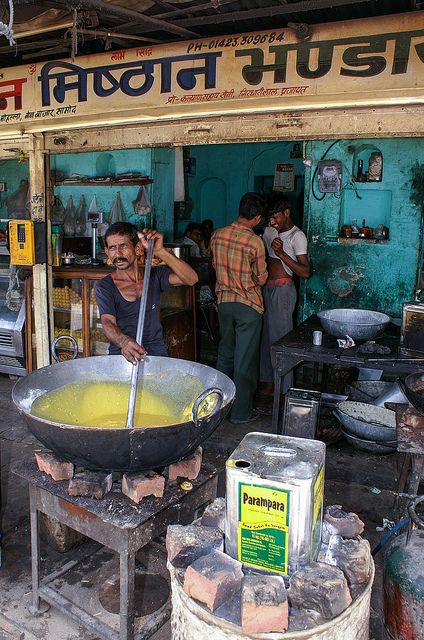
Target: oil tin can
point(412, 328)
point(301, 413)
point(275, 487)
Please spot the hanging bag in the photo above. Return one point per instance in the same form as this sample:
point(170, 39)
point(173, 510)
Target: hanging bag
point(116, 214)
point(69, 221)
point(81, 217)
point(142, 204)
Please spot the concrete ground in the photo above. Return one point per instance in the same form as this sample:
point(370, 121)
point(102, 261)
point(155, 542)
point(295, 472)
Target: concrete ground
point(361, 482)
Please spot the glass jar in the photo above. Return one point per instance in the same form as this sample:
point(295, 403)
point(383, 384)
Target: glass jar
point(57, 236)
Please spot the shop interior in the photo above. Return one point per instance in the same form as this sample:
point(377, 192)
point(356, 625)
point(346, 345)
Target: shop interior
point(363, 227)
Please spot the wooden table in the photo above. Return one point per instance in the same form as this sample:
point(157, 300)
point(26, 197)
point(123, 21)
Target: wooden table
point(297, 347)
point(410, 437)
point(115, 522)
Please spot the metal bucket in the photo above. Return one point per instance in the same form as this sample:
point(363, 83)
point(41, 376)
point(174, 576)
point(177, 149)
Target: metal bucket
point(139, 449)
point(191, 621)
point(179, 249)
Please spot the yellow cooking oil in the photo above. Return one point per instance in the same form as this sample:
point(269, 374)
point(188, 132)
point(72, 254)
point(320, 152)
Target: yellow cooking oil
point(105, 404)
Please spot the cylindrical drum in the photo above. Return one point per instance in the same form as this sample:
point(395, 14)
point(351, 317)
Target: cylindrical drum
point(190, 621)
point(404, 587)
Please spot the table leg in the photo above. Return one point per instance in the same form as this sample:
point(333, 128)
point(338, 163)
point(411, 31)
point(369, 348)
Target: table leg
point(38, 607)
point(127, 577)
point(416, 474)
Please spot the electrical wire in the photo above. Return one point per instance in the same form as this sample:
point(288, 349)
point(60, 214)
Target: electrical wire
point(388, 535)
point(7, 30)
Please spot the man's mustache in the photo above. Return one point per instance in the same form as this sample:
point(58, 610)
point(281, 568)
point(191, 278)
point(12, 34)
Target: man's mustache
point(119, 260)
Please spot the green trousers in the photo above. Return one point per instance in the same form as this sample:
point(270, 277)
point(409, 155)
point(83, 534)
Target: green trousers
point(238, 353)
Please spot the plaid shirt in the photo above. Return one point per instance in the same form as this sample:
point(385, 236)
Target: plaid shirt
point(239, 261)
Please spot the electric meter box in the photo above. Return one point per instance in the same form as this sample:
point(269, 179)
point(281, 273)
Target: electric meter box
point(275, 488)
point(329, 176)
point(27, 242)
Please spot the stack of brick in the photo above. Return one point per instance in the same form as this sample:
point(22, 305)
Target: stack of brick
point(135, 486)
point(260, 603)
point(343, 547)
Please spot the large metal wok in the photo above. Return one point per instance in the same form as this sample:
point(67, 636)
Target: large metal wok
point(134, 449)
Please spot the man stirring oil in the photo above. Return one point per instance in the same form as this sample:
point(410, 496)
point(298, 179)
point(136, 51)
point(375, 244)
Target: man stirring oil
point(118, 294)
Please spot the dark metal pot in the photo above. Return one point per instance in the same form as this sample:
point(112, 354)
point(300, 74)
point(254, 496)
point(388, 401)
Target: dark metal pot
point(409, 387)
point(138, 449)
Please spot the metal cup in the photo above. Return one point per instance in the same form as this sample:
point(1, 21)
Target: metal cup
point(317, 338)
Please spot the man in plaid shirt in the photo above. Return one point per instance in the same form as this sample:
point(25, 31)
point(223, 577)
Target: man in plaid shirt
point(238, 256)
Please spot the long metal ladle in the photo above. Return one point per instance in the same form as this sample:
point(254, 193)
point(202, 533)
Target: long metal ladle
point(139, 334)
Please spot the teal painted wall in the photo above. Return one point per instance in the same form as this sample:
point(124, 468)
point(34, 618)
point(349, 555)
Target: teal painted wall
point(224, 172)
point(373, 276)
point(11, 172)
point(156, 163)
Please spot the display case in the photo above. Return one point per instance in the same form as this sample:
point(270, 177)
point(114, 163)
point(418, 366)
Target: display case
point(12, 320)
point(75, 313)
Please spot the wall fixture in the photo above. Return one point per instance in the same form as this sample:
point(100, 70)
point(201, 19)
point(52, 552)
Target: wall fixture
point(296, 152)
point(329, 176)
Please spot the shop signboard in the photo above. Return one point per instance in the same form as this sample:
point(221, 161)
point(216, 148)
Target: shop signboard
point(371, 62)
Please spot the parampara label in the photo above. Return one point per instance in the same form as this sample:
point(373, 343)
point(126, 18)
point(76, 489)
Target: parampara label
point(263, 527)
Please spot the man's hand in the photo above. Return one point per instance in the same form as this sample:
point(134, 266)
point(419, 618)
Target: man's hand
point(278, 247)
point(132, 351)
point(152, 234)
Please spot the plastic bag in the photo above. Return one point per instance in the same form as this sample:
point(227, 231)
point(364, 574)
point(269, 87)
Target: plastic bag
point(58, 211)
point(142, 204)
point(81, 217)
point(69, 221)
point(14, 293)
point(116, 214)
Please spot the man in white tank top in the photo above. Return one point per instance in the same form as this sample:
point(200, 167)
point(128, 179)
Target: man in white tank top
point(287, 250)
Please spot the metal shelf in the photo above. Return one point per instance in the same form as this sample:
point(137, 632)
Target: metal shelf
point(112, 183)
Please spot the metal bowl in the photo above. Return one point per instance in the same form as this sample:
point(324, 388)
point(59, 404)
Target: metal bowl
point(125, 449)
point(367, 421)
point(413, 388)
point(359, 324)
point(68, 260)
point(367, 390)
point(370, 445)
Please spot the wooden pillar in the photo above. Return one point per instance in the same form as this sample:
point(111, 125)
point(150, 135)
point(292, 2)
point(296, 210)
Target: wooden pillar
point(41, 272)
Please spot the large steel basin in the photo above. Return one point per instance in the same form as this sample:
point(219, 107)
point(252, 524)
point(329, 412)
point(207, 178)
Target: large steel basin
point(138, 449)
point(359, 324)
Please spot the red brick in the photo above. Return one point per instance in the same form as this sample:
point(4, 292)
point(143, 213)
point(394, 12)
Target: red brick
point(320, 587)
point(353, 557)
point(213, 579)
point(90, 484)
point(138, 485)
point(214, 514)
point(55, 467)
point(188, 468)
point(339, 522)
point(302, 619)
point(264, 605)
point(185, 544)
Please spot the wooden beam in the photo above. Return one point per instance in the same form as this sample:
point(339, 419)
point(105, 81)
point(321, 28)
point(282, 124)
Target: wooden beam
point(190, 10)
point(147, 23)
point(41, 272)
point(266, 12)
